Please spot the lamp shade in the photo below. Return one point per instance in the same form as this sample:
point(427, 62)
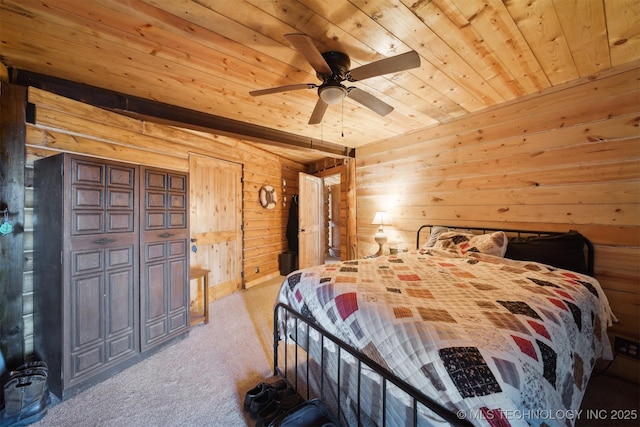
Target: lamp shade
point(332, 94)
point(381, 218)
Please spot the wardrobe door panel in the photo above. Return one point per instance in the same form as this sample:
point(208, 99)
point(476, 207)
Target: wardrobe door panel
point(87, 171)
point(155, 220)
point(88, 198)
point(155, 330)
point(87, 222)
point(155, 180)
point(86, 269)
point(155, 291)
point(177, 249)
point(121, 257)
point(84, 363)
point(122, 199)
point(87, 311)
point(154, 301)
point(177, 219)
point(121, 176)
point(177, 321)
point(177, 201)
point(178, 183)
point(155, 200)
point(155, 252)
point(120, 308)
point(87, 261)
point(120, 347)
point(121, 311)
point(119, 222)
point(164, 284)
point(177, 285)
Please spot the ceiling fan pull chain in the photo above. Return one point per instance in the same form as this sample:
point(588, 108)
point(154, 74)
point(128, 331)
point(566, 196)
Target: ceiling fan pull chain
point(343, 117)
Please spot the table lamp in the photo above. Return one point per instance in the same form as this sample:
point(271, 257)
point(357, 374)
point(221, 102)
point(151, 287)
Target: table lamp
point(381, 218)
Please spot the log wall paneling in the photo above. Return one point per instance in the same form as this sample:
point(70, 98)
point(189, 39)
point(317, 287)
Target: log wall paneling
point(568, 159)
point(64, 125)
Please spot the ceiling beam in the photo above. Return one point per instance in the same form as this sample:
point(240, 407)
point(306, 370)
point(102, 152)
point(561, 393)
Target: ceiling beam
point(172, 115)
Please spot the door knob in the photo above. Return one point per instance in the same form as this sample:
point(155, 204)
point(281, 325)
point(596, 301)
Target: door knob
point(193, 239)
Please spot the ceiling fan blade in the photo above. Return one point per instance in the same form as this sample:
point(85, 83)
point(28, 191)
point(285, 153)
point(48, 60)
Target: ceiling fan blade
point(303, 44)
point(282, 89)
point(318, 112)
point(370, 101)
point(404, 61)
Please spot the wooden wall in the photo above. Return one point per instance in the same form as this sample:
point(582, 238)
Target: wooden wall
point(64, 125)
point(569, 159)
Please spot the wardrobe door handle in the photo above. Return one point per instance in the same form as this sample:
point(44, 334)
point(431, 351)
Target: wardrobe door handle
point(104, 241)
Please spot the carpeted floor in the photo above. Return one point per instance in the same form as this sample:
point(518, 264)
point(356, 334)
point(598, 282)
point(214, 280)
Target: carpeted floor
point(608, 402)
point(198, 381)
point(201, 380)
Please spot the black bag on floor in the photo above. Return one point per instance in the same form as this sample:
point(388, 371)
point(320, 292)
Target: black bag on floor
point(310, 413)
point(26, 395)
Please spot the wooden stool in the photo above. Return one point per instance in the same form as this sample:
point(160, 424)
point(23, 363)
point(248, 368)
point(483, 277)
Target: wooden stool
point(197, 273)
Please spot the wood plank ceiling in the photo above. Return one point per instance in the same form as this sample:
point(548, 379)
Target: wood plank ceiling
point(207, 55)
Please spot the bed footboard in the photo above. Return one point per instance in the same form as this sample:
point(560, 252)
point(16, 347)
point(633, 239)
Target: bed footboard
point(299, 365)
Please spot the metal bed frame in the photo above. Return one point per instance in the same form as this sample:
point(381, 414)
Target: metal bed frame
point(589, 252)
point(283, 312)
point(301, 357)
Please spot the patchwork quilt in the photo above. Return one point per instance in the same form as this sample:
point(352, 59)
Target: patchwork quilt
point(498, 342)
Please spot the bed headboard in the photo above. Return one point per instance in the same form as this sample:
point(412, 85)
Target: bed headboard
point(570, 250)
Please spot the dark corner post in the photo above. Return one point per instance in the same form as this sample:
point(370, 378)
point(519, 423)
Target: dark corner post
point(13, 102)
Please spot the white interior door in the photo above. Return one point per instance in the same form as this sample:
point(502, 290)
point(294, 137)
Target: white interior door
point(216, 222)
point(310, 221)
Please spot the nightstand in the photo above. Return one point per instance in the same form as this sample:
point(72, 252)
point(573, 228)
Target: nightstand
point(200, 316)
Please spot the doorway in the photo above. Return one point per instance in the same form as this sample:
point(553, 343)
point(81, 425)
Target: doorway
point(310, 221)
point(337, 212)
point(216, 222)
point(332, 218)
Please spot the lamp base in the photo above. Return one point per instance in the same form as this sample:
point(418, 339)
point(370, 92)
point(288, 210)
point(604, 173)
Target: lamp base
point(380, 239)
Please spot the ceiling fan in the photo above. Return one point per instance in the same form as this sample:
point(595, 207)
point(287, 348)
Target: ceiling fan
point(333, 68)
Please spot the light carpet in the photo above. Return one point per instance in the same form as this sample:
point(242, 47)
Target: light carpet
point(198, 381)
point(202, 380)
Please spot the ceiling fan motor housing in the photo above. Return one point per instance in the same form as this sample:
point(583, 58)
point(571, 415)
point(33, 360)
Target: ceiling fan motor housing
point(339, 64)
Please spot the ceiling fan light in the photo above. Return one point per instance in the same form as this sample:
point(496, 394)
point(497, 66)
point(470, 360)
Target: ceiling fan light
point(332, 94)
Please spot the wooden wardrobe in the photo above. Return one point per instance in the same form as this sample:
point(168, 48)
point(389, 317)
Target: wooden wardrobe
point(111, 266)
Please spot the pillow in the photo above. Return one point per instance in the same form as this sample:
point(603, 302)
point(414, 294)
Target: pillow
point(433, 237)
point(564, 251)
point(461, 243)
